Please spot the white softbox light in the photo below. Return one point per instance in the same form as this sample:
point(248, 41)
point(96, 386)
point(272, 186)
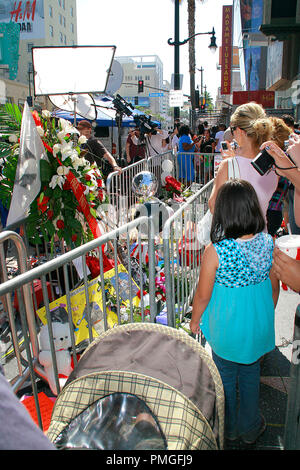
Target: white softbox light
point(71, 69)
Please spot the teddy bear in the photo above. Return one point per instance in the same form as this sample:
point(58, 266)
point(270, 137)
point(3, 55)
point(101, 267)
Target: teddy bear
point(62, 343)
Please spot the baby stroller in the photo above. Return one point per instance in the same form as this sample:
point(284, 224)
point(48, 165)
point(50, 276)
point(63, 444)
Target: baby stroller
point(141, 386)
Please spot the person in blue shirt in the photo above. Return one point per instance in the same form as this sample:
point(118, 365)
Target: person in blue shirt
point(235, 301)
point(185, 157)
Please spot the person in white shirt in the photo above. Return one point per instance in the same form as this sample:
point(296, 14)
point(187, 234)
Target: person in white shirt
point(154, 142)
point(219, 137)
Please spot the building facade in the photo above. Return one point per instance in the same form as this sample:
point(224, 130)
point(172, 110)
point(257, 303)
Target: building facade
point(150, 70)
point(42, 23)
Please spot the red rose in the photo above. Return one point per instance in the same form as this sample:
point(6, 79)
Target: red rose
point(74, 237)
point(50, 214)
point(36, 118)
point(66, 185)
point(42, 205)
point(88, 178)
point(60, 224)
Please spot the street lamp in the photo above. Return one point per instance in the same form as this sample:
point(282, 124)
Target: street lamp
point(176, 43)
point(212, 46)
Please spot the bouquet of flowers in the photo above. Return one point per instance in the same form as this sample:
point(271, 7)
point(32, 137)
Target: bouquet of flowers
point(172, 186)
point(72, 189)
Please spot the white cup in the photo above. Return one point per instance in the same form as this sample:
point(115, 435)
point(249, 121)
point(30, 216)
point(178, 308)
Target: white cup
point(290, 245)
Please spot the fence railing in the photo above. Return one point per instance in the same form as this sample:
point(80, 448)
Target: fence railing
point(98, 311)
point(182, 253)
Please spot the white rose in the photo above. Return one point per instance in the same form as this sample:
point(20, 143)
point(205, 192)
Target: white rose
point(13, 138)
point(40, 131)
point(62, 170)
point(82, 139)
point(56, 149)
point(46, 114)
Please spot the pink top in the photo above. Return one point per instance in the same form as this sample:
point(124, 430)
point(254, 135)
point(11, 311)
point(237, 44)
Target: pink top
point(264, 185)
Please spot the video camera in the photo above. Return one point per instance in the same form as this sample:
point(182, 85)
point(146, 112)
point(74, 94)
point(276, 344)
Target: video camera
point(145, 125)
point(122, 106)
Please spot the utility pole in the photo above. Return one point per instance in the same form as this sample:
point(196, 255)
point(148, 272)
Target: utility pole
point(176, 56)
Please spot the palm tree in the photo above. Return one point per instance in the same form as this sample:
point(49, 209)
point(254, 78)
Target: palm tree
point(192, 62)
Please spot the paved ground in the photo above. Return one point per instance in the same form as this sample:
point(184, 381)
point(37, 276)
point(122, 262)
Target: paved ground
point(275, 370)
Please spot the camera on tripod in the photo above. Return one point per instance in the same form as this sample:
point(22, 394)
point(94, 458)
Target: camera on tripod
point(145, 125)
point(122, 106)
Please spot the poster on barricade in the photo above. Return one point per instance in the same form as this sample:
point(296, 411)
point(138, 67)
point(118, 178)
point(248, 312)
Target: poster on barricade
point(217, 160)
point(79, 304)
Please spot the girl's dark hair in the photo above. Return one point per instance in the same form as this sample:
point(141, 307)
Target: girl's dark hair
point(237, 211)
point(184, 130)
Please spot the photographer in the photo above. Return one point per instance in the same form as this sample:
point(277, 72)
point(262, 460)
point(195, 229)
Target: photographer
point(134, 152)
point(96, 152)
point(153, 140)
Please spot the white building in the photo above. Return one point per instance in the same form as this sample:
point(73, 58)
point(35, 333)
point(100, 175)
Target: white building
point(150, 70)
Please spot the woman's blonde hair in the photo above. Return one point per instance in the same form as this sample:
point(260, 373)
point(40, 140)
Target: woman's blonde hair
point(281, 131)
point(252, 119)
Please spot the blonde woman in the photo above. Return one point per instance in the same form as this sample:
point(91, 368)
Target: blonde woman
point(250, 127)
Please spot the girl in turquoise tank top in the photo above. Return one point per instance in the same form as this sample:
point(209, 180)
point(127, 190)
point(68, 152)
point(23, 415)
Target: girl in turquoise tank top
point(235, 300)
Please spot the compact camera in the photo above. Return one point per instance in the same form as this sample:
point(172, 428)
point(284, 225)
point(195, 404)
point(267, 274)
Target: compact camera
point(263, 162)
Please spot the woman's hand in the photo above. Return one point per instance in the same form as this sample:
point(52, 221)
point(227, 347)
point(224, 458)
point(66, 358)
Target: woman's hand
point(194, 327)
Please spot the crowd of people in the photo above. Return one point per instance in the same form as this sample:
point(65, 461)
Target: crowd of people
point(238, 286)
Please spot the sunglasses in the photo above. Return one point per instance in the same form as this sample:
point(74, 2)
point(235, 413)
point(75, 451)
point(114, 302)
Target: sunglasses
point(232, 129)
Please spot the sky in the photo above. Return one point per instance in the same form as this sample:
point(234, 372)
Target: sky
point(142, 27)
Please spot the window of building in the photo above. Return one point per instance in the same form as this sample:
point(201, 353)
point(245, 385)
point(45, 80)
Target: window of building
point(63, 4)
point(50, 11)
point(72, 11)
point(72, 28)
point(65, 39)
point(60, 18)
point(59, 2)
point(51, 31)
point(29, 47)
point(64, 21)
point(61, 37)
point(30, 67)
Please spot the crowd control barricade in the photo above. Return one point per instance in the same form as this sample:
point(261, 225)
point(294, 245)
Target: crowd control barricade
point(119, 190)
point(182, 254)
point(97, 304)
point(292, 422)
point(155, 166)
point(194, 167)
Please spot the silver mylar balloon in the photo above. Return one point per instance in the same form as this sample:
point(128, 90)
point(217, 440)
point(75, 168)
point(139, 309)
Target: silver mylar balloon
point(145, 184)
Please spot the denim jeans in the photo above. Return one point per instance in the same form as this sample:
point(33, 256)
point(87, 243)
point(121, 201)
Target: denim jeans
point(245, 418)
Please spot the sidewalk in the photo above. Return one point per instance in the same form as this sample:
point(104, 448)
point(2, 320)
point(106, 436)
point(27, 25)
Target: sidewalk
point(275, 371)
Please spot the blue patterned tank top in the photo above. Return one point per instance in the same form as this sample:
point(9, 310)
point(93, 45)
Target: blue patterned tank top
point(244, 262)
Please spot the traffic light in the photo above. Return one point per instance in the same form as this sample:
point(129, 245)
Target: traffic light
point(197, 98)
point(140, 86)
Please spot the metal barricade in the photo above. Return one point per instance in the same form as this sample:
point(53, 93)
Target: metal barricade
point(120, 278)
point(120, 195)
point(194, 167)
point(292, 422)
point(182, 254)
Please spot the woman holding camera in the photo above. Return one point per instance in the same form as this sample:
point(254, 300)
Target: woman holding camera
point(250, 127)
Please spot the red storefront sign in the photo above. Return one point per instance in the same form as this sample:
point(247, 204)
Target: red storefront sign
point(226, 50)
point(263, 97)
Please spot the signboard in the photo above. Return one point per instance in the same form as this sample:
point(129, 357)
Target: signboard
point(28, 14)
point(175, 98)
point(156, 94)
point(263, 97)
point(9, 48)
point(226, 50)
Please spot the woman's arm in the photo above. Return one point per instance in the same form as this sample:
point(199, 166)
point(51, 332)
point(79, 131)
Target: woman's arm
point(209, 266)
point(221, 178)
